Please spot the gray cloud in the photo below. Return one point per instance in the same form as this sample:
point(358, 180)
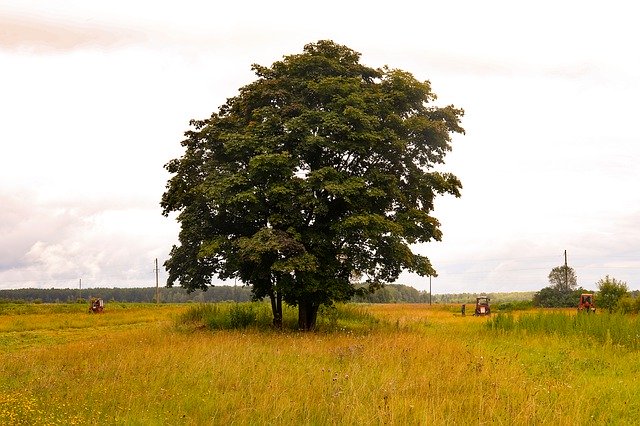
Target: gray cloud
point(55, 244)
point(548, 162)
point(23, 223)
point(610, 247)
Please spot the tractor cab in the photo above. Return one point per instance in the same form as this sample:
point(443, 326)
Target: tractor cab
point(482, 306)
point(587, 303)
point(96, 305)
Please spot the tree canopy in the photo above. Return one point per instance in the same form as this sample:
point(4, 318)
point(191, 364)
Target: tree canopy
point(320, 170)
point(563, 278)
point(551, 297)
point(610, 291)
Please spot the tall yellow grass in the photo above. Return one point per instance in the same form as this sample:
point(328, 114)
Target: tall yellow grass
point(423, 366)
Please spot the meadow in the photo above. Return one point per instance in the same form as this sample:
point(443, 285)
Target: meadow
point(144, 364)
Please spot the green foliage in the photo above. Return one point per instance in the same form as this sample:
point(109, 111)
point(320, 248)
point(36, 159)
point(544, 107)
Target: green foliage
point(551, 297)
point(502, 322)
point(629, 305)
point(131, 295)
point(226, 316)
point(393, 293)
point(40, 308)
point(400, 293)
point(199, 313)
point(562, 292)
point(614, 329)
point(242, 315)
point(518, 305)
point(610, 291)
point(320, 169)
point(341, 317)
point(563, 278)
point(495, 297)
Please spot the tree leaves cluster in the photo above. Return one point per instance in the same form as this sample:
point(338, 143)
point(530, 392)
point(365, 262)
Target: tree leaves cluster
point(563, 278)
point(563, 291)
point(610, 292)
point(319, 170)
point(551, 297)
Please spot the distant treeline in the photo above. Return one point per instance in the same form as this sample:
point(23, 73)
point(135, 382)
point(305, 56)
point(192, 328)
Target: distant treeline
point(516, 296)
point(392, 293)
point(399, 293)
point(132, 295)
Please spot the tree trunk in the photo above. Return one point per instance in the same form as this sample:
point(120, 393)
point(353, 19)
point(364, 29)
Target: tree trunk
point(276, 309)
point(307, 315)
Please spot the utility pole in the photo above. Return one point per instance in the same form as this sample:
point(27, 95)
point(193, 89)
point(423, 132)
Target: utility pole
point(157, 288)
point(429, 289)
point(566, 270)
point(80, 292)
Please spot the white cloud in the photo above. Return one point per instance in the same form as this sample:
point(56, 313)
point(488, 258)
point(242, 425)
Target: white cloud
point(55, 245)
point(96, 95)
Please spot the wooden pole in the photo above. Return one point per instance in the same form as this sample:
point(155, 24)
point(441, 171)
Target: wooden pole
point(157, 288)
point(566, 272)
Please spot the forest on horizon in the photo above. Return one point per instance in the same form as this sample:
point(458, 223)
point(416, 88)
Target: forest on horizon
point(391, 293)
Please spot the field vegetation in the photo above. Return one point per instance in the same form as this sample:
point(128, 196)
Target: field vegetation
point(366, 364)
point(613, 329)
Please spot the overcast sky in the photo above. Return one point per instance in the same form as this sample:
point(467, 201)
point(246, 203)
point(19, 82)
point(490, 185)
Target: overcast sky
point(95, 97)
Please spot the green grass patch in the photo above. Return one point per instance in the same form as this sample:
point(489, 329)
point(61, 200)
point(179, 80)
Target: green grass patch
point(228, 316)
point(516, 305)
point(616, 329)
point(417, 365)
point(346, 317)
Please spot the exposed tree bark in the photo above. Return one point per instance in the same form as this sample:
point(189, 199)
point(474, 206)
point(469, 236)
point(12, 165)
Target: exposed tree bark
point(276, 309)
point(307, 316)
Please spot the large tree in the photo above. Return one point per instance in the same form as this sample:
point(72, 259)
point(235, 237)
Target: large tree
point(563, 278)
point(320, 170)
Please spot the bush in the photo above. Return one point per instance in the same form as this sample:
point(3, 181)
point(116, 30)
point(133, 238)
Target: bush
point(611, 291)
point(242, 315)
point(502, 322)
point(518, 305)
point(225, 315)
point(625, 305)
point(628, 305)
point(344, 317)
point(550, 297)
point(232, 315)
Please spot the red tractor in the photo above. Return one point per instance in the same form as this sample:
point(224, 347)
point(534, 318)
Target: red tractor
point(482, 306)
point(96, 305)
point(587, 303)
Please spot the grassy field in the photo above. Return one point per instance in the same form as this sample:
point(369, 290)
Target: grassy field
point(415, 364)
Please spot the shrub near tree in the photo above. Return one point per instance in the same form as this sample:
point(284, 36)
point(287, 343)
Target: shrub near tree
point(550, 297)
point(628, 305)
point(562, 291)
point(610, 292)
point(320, 170)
